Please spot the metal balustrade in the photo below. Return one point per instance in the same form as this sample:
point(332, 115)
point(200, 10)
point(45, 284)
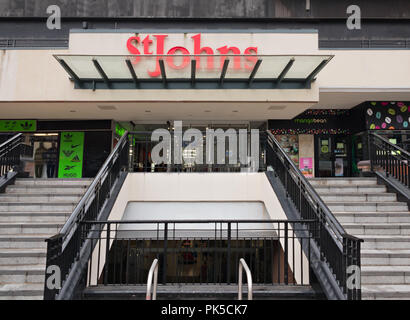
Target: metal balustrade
point(10, 153)
point(392, 160)
point(337, 248)
point(63, 250)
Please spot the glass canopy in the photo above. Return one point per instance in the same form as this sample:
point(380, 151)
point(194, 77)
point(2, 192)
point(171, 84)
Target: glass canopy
point(193, 71)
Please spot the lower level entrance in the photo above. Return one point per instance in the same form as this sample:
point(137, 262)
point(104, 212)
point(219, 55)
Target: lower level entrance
point(332, 156)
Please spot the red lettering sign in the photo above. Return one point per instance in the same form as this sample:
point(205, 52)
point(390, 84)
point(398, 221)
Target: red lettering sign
point(134, 42)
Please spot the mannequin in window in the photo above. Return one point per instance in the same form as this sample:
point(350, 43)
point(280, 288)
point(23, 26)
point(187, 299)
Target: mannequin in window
point(39, 160)
point(52, 160)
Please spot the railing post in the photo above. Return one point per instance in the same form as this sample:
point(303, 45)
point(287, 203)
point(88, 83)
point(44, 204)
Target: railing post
point(370, 150)
point(228, 266)
point(107, 253)
point(54, 249)
point(286, 269)
point(164, 269)
point(344, 266)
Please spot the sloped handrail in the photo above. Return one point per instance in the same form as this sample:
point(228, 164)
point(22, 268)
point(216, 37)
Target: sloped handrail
point(10, 154)
point(63, 249)
point(392, 159)
point(338, 249)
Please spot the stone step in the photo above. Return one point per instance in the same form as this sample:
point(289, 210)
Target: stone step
point(385, 242)
point(22, 273)
point(367, 206)
point(22, 256)
point(358, 197)
point(20, 291)
point(395, 257)
point(351, 188)
point(52, 182)
point(385, 292)
point(202, 292)
point(30, 228)
point(369, 217)
point(46, 189)
point(38, 198)
point(378, 229)
point(28, 241)
point(37, 207)
point(342, 181)
point(385, 275)
point(34, 217)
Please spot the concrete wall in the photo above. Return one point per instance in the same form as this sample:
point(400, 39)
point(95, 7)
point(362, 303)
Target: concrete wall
point(204, 8)
point(34, 75)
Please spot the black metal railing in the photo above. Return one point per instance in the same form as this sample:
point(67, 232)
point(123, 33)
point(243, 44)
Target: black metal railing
point(10, 152)
point(198, 251)
point(141, 145)
point(64, 248)
point(337, 248)
point(392, 160)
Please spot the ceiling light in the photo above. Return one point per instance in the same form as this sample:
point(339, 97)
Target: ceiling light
point(276, 107)
point(105, 108)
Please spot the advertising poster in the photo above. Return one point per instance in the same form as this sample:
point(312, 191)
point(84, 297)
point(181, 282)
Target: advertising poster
point(306, 167)
point(71, 155)
point(290, 143)
point(339, 167)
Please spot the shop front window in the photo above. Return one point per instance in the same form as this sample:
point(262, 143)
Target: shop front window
point(290, 143)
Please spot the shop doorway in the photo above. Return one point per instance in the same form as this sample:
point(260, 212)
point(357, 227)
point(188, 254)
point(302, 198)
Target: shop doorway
point(332, 156)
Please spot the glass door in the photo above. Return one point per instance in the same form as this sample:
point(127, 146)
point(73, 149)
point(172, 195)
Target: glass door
point(324, 158)
point(332, 156)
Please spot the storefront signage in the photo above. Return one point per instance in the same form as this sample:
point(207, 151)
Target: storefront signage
point(18, 125)
point(318, 121)
point(138, 46)
point(310, 121)
point(71, 155)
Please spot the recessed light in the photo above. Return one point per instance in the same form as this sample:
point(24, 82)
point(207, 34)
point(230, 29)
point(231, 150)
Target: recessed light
point(105, 108)
point(276, 107)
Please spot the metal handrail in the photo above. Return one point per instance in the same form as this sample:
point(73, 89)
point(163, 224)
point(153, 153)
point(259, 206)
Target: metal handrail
point(11, 139)
point(404, 152)
point(243, 265)
point(153, 272)
point(330, 218)
point(73, 219)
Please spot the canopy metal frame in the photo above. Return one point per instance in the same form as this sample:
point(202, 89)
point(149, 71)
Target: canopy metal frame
point(134, 81)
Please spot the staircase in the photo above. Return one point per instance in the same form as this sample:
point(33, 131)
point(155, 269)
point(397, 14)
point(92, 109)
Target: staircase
point(203, 292)
point(368, 211)
point(31, 211)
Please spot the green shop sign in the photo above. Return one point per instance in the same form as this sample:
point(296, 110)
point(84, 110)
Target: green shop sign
point(18, 125)
point(119, 129)
point(71, 155)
